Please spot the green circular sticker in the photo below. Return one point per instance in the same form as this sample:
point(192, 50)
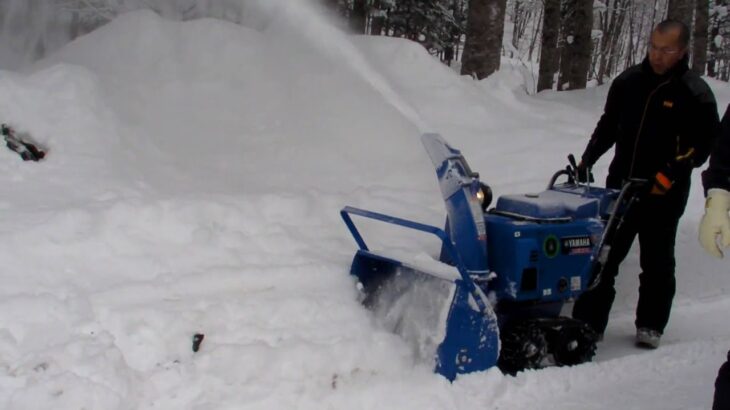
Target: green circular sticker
point(551, 246)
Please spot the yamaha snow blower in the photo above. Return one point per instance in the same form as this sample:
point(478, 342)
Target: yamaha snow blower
point(495, 295)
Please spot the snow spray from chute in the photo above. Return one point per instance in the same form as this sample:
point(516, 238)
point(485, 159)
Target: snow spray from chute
point(446, 323)
point(303, 18)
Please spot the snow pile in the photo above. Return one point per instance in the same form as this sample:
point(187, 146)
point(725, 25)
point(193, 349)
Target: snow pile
point(193, 184)
point(282, 108)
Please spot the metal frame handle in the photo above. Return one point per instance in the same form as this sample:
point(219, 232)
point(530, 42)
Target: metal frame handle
point(631, 188)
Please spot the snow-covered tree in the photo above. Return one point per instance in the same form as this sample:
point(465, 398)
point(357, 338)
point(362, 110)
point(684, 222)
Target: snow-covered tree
point(718, 57)
point(433, 23)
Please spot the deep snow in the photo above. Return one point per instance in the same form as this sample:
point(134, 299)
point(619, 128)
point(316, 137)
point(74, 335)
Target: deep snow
point(193, 184)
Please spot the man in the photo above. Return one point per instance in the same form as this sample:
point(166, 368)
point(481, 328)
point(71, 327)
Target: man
point(662, 119)
point(715, 226)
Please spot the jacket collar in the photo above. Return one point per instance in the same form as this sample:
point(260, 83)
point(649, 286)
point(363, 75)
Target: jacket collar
point(677, 71)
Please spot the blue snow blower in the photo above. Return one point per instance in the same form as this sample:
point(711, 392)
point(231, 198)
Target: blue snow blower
point(495, 295)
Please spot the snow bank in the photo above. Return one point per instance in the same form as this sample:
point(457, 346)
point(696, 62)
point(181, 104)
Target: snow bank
point(218, 103)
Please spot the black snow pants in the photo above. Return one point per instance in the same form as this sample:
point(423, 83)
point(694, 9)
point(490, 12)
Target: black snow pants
point(654, 219)
point(722, 387)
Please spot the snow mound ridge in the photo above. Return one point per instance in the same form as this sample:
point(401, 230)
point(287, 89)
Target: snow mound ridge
point(217, 105)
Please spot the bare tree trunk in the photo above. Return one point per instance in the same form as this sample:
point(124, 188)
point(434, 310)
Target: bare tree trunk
point(3, 7)
point(377, 18)
point(618, 38)
point(712, 58)
point(629, 60)
point(535, 32)
point(357, 18)
point(484, 32)
point(549, 52)
point(457, 8)
point(516, 25)
point(74, 29)
point(576, 59)
point(699, 45)
point(681, 10)
point(609, 26)
point(640, 43)
point(650, 28)
point(333, 6)
point(387, 23)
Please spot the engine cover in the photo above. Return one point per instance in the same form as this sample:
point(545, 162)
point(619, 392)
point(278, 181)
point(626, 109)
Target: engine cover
point(541, 245)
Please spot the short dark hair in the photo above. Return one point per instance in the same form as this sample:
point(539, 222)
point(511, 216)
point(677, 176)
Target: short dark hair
point(669, 24)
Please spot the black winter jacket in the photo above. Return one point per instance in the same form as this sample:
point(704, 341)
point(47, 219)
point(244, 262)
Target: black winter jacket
point(718, 174)
point(652, 119)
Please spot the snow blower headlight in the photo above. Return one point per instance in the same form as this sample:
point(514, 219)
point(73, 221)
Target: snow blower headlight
point(484, 195)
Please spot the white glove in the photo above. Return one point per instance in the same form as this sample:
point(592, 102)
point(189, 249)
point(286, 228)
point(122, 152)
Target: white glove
point(716, 222)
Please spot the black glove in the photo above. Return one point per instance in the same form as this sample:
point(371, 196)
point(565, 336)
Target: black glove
point(664, 179)
point(578, 172)
point(583, 174)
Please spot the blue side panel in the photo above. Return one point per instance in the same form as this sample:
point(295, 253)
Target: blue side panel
point(547, 241)
point(469, 238)
point(472, 340)
point(541, 261)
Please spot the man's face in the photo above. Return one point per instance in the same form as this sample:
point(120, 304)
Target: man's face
point(665, 50)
